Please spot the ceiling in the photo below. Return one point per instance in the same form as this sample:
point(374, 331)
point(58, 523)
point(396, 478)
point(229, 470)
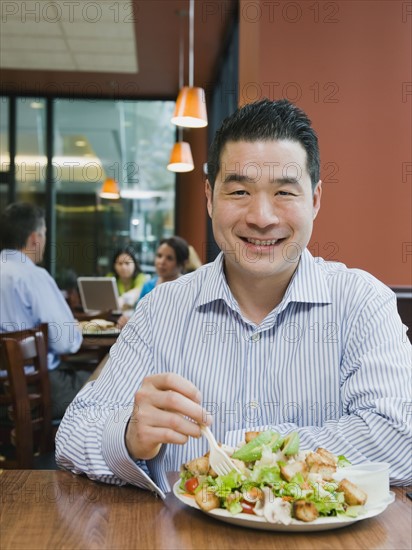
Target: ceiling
point(109, 49)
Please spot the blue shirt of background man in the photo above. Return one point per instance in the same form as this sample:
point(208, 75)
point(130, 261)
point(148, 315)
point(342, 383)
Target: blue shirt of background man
point(30, 296)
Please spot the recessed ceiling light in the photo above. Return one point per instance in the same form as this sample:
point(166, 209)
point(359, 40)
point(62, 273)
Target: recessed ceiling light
point(36, 105)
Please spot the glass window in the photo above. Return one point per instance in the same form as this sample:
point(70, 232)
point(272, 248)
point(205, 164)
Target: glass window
point(4, 150)
point(126, 140)
point(31, 150)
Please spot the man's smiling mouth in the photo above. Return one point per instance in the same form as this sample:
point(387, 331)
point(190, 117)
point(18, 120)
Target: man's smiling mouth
point(266, 242)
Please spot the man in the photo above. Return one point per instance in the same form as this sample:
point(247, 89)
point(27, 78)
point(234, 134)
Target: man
point(29, 296)
point(265, 336)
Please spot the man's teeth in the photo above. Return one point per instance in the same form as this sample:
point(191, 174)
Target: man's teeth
point(262, 243)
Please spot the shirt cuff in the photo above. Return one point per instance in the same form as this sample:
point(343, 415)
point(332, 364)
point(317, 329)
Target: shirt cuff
point(116, 456)
point(156, 468)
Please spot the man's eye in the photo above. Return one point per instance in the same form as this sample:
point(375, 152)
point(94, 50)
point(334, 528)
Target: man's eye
point(239, 192)
point(285, 193)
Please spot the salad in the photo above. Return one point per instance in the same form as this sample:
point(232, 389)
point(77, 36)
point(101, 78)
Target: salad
point(277, 481)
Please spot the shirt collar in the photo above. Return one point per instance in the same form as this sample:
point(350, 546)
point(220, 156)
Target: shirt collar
point(308, 284)
point(17, 256)
point(215, 287)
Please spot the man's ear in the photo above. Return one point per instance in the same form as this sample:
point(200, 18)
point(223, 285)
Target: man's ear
point(317, 194)
point(32, 246)
point(31, 241)
point(209, 197)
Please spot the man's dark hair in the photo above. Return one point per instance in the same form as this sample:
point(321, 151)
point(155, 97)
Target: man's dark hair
point(17, 222)
point(266, 120)
point(180, 247)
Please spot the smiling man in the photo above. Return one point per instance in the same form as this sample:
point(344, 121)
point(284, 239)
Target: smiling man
point(266, 336)
point(262, 218)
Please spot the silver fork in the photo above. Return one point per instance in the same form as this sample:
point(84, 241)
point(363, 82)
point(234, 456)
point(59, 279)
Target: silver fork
point(218, 459)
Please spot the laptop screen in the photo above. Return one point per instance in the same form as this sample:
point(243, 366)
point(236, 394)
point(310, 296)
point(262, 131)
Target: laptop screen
point(98, 294)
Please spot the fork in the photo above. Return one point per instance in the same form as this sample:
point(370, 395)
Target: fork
point(218, 459)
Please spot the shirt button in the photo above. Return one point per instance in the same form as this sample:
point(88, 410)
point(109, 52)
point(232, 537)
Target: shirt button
point(255, 337)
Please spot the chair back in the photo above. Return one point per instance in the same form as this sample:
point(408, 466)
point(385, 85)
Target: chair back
point(404, 301)
point(25, 393)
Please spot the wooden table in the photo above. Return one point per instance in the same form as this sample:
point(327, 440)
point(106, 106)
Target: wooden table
point(99, 344)
point(93, 349)
point(92, 341)
point(57, 510)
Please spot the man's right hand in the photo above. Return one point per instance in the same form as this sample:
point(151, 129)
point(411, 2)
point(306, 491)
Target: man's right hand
point(166, 410)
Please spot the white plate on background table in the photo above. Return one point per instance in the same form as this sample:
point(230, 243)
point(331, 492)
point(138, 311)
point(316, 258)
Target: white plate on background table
point(256, 522)
point(101, 332)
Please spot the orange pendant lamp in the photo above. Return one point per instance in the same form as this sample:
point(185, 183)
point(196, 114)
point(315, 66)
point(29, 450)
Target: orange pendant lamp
point(110, 189)
point(190, 110)
point(181, 159)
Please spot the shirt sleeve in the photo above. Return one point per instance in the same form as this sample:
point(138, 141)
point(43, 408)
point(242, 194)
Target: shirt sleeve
point(91, 436)
point(376, 383)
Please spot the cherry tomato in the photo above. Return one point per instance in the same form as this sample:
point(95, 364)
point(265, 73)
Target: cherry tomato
point(247, 507)
point(191, 484)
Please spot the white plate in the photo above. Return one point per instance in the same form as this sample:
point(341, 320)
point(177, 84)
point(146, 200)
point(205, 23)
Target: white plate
point(101, 332)
point(255, 522)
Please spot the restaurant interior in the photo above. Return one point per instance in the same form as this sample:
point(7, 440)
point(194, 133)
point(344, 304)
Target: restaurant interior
point(88, 91)
point(87, 94)
point(92, 94)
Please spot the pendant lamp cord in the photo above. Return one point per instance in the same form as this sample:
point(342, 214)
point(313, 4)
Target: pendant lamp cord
point(191, 41)
point(181, 65)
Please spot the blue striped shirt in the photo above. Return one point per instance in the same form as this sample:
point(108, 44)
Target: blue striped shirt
point(332, 361)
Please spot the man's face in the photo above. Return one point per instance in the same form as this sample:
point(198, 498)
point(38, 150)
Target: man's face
point(262, 208)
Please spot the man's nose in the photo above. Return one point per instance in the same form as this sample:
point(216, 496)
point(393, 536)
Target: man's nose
point(261, 212)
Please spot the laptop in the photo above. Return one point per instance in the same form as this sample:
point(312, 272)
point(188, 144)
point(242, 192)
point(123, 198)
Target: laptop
point(98, 294)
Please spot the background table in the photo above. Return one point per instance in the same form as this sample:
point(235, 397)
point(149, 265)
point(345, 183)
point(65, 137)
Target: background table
point(43, 509)
point(92, 351)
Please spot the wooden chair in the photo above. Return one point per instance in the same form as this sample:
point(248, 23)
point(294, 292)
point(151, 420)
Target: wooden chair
point(404, 301)
point(27, 433)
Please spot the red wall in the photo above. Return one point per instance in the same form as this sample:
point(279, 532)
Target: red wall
point(191, 201)
point(348, 65)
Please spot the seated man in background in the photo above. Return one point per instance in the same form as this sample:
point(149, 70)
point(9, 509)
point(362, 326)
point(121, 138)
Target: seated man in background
point(30, 296)
point(266, 336)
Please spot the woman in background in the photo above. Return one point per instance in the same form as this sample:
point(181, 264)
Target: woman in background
point(129, 277)
point(171, 257)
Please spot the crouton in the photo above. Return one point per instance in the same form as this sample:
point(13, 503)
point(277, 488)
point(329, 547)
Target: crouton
point(304, 510)
point(290, 470)
point(198, 466)
point(354, 495)
point(319, 464)
point(207, 500)
point(250, 435)
point(329, 457)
